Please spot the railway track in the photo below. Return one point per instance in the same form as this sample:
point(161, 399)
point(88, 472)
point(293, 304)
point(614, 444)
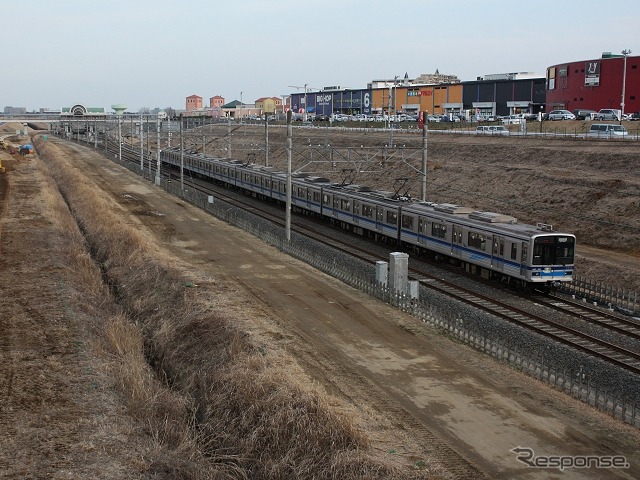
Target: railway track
point(595, 316)
point(620, 356)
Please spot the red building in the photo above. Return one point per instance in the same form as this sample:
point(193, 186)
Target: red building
point(216, 102)
point(194, 102)
point(594, 84)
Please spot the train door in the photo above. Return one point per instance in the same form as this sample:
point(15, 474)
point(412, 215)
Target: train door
point(379, 218)
point(422, 230)
point(524, 259)
point(356, 212)
point(456, 239)
point(497, 254)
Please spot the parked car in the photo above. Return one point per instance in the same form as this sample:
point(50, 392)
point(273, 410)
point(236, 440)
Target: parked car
point(607, 130)
point(561, 115)
point(584, 114)
point(513, 120)
point(321, 117)
point(634, 117)
point(608, 114)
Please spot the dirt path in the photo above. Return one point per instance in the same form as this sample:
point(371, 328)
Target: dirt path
point(58, 410)
point(430, 397)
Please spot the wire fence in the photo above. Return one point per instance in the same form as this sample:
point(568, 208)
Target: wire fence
point(617, 298)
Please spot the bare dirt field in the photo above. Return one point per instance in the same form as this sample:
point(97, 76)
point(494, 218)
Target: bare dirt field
point(428, 407)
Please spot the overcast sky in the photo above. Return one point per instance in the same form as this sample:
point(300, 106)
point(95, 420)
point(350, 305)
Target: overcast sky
point(154, 53)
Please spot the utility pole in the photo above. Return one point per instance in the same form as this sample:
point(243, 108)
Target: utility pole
point(287, 229)
point(266, 141)
point(425, 127)
point(306, 108)
point(624, 82)
point(181, 157)
point(229, 138)
point(158, 151)
point(120, 139)
point(141, 145)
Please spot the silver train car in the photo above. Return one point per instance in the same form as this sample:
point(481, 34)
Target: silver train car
point(490, 244)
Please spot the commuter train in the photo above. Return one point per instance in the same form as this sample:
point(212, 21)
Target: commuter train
point(490, 244)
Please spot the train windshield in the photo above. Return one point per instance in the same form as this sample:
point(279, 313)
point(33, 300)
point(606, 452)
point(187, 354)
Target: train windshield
point(553, 250)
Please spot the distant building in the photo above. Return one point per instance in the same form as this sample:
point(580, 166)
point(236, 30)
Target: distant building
point(15, 110)
point(595, 84)
point(216, 102)
point(79, 110)
point(511, 76)
point(436, 78)
point(194, 102)
point(269, 105)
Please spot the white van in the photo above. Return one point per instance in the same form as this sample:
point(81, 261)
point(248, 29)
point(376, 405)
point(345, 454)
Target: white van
point(607, 130)
point(492, 130)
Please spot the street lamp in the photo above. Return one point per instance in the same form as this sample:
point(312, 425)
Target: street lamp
point(624, 82)
point(306, 86)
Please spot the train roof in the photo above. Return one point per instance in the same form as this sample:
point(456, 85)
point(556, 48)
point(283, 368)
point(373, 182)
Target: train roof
point(481, 219)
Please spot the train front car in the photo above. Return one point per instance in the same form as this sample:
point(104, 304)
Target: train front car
point(551, 259)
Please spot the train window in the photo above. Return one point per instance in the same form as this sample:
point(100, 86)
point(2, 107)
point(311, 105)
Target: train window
point(326, 199)
point(438, 230)
point(524, 253)
point(564, 250)
point(495, 246)
point(553, 250)
point(392, 217)
point(356, 207)
point(301, 193)
point(345, 205)
point(457, 234)
point(407, 222)
point(422, 225)
point(336, 202)
point(379, 214)
point(514, 251)
point(367, 211)
point(477, 240)
point(316, 196)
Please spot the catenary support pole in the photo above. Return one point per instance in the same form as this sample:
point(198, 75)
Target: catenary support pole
point(289, 152)
point(158, 151)
point(141, 145)
point(425, 127)
point(266, 140)
point(181, 156)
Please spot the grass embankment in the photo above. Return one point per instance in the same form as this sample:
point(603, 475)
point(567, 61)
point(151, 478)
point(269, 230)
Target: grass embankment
point(225, 403)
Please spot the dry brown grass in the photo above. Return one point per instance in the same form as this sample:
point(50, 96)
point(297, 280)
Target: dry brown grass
point(218, 402)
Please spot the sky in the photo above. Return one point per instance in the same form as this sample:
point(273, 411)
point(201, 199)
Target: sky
point(155, 53)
